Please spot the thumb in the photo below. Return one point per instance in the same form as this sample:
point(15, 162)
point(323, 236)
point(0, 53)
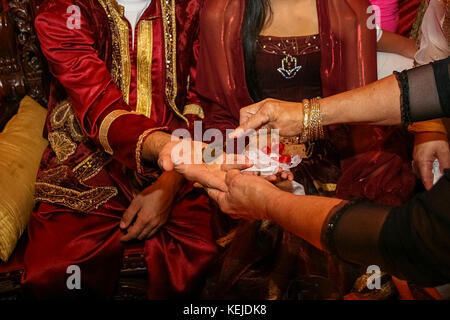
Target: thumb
point(250, 122)
point(165, 162)
point(231, 175)
point(426, 173)
point(130, 213)
point(214, 194)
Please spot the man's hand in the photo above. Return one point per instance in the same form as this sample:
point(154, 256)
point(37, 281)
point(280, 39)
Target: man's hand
point(180, 151)
point(151, 208)
point(424, 156)
point(275, 114)
point(186, 158)
point(212, 175)
point(246, 197)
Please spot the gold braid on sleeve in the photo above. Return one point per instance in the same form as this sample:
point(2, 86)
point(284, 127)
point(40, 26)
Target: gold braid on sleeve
point(139, 146)
point(106, 124)
point(194, 109)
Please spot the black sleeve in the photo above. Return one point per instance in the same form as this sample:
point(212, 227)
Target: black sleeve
point(411, 242)
point(415, 238)
point(425, 91)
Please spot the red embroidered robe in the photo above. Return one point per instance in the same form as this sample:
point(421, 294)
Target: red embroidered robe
point(106, 98)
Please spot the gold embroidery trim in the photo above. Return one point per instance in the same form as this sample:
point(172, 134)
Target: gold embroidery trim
point(60, 115)
point(194, 109)
point(170, 48)
point(83, 201)
point(65, 133)
point(62, 145)
point(121, 63)
point(327, 187)
point(145, 134)
point(225, 240)
point(104, 128)
point(54, 175)
point(64, 119)
point(91, 166)
point(144, 68)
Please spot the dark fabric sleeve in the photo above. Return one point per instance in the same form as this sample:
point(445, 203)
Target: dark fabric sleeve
point(415, 239)
point(411, 242)
point(356, 235)
point(429, 91)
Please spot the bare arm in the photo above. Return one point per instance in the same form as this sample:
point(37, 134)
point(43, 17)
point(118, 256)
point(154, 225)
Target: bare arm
point(304, 216)
point(154, 144)
point(398, 240)
point(394, 43)
point(427, 89)
point(377, 103)
point(247, 197)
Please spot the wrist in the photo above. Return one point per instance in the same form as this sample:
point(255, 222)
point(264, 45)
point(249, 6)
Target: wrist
point(424, 137)
point(327, 112)
point(153, 145)
point(271, 208)
point(171, 181)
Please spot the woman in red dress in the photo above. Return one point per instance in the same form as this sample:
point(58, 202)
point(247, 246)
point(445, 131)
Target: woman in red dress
point(292, 50)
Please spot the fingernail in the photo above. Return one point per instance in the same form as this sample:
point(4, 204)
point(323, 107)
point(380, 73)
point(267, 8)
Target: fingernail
point(122, 224)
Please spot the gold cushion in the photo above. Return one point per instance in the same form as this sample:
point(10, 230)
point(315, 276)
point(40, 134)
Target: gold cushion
point(21, 148)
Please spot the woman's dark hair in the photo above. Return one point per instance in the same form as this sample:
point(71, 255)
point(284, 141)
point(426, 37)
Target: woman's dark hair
point(257, 12)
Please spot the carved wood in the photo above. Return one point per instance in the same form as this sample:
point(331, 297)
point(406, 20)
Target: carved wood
point(12, 83)
point(23, 13)
point(23, 69)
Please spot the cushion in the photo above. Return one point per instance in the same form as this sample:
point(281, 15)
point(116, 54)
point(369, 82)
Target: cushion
point(21, 148)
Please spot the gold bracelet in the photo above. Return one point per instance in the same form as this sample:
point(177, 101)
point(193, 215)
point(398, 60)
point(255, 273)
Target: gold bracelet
point(316, 120)
point(306, 121)
point(312, 121)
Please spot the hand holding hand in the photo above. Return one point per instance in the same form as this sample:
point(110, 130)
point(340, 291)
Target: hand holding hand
point(246, 196)
point(275, 114)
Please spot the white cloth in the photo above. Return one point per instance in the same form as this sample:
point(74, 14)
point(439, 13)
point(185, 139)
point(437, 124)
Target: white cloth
point(389, 62)
point(134, 10)
point(433, 43)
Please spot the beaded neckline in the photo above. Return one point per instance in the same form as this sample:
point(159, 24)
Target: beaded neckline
point(289, 49)
point(293, 46)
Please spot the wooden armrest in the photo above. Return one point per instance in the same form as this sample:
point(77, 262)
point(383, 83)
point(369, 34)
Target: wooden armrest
point(11, 76)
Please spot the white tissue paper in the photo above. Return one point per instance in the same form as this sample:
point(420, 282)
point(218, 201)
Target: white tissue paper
point(269, 164)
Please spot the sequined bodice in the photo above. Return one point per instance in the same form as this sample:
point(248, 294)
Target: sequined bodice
point(288, 68)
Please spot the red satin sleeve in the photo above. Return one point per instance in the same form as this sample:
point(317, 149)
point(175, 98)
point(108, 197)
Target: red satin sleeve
point(193, 109)
point(74, 61)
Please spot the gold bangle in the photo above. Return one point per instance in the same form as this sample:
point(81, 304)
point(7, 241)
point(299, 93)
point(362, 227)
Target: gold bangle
point(312, 121)
point(316, 120)
point(306, 121)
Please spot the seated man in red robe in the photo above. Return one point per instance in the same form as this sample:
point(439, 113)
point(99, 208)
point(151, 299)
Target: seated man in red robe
point(114, 100)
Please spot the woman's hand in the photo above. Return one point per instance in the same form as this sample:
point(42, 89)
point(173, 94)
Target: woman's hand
point(287, 117)
point(150, 209)
point(424, 156)
point(186, 158)
point(246, 196)
point(212, 175)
